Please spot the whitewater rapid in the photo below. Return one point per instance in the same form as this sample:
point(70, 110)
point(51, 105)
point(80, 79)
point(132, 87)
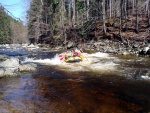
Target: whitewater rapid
point(97, 62)
point(101, 64)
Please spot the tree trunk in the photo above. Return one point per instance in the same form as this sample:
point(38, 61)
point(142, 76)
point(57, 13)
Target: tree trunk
point(42, 2)
point(87, 14)
point(125, 12)
point(74, 12)
point(103, 9)
point(121, 10)
point(133, 7)
point(62, 18)
point(69, 12)
point(137, 22)
point(110, 8)
point(148, 8)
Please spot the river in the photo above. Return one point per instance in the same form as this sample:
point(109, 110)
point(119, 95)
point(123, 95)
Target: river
point(102, 83)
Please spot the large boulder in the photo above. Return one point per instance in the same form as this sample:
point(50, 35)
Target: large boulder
point(27, 67)
point(144, 51)
point(70, 45)
point(10, 63)
point(8, 66)
point(32, 47)
point(10, 72)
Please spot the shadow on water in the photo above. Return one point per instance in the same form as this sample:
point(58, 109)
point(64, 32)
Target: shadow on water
point(63, 92)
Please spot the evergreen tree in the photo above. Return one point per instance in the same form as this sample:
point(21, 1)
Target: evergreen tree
point(11, 30)
point(5, 28)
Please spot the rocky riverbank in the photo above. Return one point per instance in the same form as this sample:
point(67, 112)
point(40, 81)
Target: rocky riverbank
point(128, 47)
point(126, 41)
point(11, 66)
point(11, 57)
point(108, 46)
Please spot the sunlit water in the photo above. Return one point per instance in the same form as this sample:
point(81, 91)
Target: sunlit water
point(102, 83)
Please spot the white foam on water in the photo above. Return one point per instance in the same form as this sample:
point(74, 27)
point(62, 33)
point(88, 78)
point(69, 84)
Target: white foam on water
point(91, 62)
point(101, 55)
point(145, 77)
point(53, 61)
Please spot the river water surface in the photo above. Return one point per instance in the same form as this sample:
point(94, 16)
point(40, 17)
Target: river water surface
point(102, 83)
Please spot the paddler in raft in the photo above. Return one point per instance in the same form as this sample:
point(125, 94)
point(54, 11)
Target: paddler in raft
point(71, 54)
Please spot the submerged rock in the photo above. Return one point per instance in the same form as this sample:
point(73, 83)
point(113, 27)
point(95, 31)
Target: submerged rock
point(27, 67)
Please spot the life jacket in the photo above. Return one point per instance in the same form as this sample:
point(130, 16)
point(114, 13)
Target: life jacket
point(68, 54)
point(60, 57)
point(76, 53)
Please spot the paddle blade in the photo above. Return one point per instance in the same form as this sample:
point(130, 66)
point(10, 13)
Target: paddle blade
point(60, 55)
point(61, 58)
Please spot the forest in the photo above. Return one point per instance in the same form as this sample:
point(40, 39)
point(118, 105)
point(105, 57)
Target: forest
point(103, 25)
point(12, 31)
point(70, 23)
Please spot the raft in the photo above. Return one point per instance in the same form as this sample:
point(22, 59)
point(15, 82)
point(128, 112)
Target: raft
point(74, 59)
point(71, 57)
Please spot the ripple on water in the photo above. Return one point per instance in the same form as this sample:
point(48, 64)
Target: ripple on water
point(91, 86)
point(98, 62)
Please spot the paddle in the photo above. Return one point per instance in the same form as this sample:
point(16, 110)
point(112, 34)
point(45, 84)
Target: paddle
point(84, 56)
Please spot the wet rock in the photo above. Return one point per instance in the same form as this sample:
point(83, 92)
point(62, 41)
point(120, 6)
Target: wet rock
point(148, 52)
point(125, 53)
point(9, 66)
point(27, 67)
point(102, 44)
point(10, 63)
point(135, 46)
point(144, 51)
point(32, 47)
point(3, 58)
point(10, 72)
point(118, 37)
point(2, 72)
point(70, 45)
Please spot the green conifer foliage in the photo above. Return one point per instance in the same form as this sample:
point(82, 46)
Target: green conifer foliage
point(5, 28)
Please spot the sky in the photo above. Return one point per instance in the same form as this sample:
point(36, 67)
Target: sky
point(17, 7)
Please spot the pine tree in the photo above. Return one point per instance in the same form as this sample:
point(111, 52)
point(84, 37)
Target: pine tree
point(5, 29)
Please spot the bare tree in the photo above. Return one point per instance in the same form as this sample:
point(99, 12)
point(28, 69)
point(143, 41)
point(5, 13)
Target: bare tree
point(110, 8)
point(148, 8)
point(69, 11)
point(133, 3)
point(19, 32)
point(87, 14)
point(63, 20)
point(137, 21)
point(125, 13)
point(74, 12)
point(121, 11)
point(104, 16)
